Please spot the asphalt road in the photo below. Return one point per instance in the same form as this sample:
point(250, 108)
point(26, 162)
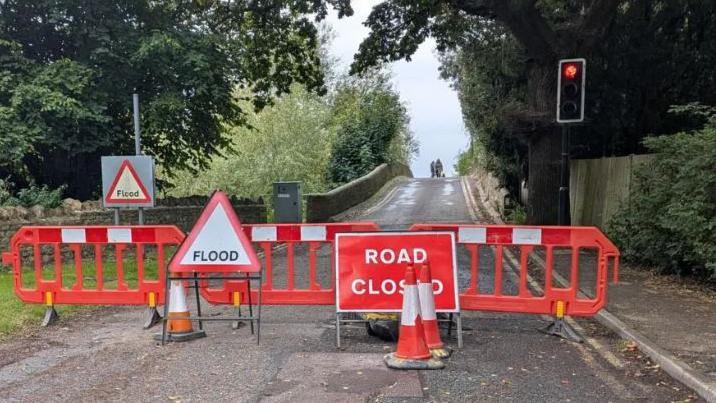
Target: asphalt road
point(105, 355)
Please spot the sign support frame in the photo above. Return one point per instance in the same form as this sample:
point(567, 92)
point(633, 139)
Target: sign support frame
point(201, 277)
point(196, 280)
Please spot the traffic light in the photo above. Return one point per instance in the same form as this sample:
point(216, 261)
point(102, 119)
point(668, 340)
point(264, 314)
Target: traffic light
point(570, 90)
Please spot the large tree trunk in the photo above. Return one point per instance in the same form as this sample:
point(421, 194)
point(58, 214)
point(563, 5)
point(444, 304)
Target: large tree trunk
point(545, 146)
point(544, 170)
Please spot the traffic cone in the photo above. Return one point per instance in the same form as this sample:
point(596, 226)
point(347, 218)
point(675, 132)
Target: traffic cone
point(178, 326)
point(412, 351)
point(430, 319)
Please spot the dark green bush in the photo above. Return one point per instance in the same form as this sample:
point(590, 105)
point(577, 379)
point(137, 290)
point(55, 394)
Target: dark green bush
point(30, 196)
point(372, 128)
point(670, 222)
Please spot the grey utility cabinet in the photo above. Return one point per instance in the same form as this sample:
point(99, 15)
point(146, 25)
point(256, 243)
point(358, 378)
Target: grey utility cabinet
point(287, 202)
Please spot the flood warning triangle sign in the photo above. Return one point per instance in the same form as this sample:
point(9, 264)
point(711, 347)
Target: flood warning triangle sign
point(216, 243)
point(127, 187)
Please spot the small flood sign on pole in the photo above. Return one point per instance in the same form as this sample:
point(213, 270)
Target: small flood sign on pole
point(127, 181)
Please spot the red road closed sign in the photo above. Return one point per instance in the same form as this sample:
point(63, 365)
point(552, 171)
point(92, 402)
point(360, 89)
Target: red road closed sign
point(371, 269)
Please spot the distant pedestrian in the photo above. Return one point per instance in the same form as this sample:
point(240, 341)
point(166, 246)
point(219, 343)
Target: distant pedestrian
point(432, 169)
point(438, 168)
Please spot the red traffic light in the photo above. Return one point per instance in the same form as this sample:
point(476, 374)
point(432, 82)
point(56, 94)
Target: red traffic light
point(570, 71)
point(570, 90)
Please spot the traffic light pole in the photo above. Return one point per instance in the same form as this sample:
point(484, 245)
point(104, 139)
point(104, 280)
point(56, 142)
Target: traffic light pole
point(563, 213)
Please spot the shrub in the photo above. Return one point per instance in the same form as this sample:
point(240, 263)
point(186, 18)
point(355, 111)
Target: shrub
point(671, 219)
point(5, 194)
point(30, 196)
point(372, 128)
point(516, 215)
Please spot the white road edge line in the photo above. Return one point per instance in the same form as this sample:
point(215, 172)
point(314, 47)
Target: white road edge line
point(469, 199)
point(673, 366)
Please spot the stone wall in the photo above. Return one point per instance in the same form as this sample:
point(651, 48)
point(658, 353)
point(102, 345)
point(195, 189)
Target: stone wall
point(321, 207)
point(181, 212)
point(494, 193)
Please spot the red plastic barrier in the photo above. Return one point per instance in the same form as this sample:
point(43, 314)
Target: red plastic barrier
point(66, 241)
point(527, 239)
point(268, 237)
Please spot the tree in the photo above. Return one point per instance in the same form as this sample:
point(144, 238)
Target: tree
point(68, 69)
point(643, 55)
point(632, 81)
point(372, 128)
point(546, 32)
point(488, 74)
point(288, 140)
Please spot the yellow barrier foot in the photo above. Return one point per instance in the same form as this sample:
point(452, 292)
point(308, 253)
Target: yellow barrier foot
point(151, 318)
point(442, 352)
point(560, 328)
point(51, 316)
point(400, 363)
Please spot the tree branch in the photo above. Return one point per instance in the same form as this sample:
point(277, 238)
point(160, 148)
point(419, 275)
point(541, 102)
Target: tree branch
point(481, 8)
point(522, 19)
point(596, 21)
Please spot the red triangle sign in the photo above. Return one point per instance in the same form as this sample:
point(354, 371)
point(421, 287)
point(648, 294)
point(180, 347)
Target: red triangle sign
point(127, 187)
point(216, 244)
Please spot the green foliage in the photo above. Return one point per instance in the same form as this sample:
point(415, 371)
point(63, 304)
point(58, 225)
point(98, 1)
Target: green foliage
point(642, 56)
point(30, 196)
point(488, 74)
point(320, 141)
point(289, 140)
point(516, 215)
point(39, 195)
point(68, 69)
point(372, 128)
point(465, 162)
point(671, 217)
point(5, 192)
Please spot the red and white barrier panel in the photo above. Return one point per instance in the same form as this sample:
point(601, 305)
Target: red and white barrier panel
point(268, 237)
point(302, 232)
point(101, 234)
point(73, 239)
point(555, 299)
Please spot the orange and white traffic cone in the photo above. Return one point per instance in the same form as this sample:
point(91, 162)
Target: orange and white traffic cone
point(430, 319)
point(412, 351)
point(178, 327)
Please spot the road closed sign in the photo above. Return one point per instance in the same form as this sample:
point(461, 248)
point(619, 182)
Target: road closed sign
point(371, 269)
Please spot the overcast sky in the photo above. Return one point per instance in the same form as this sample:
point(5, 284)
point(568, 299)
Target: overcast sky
point(435, 116)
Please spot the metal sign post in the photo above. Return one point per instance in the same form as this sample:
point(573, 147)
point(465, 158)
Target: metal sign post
point(137, 143)
point(563, 212)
